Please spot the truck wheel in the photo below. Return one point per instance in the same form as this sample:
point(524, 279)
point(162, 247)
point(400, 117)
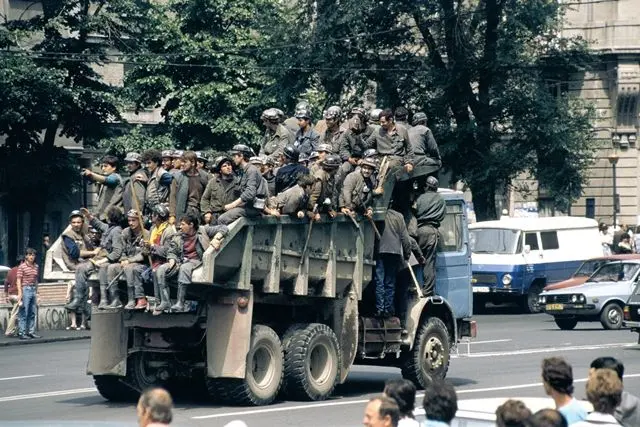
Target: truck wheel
point(530, 304)
point(429, 358)
point(142, 373)
point(113, 388)
point(611, 316)
point(311, 363)
point(263, 376)
point(566, 324)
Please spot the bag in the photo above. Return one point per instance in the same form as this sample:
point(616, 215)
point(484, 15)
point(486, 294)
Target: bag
point(259, 203)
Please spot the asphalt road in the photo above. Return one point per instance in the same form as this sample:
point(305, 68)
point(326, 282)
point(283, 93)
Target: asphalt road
point(47, 381)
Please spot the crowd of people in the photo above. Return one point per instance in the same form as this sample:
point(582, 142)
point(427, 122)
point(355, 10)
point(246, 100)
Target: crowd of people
point(155, 224)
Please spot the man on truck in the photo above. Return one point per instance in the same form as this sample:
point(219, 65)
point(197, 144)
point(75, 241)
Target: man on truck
point(357, 189)
point(161, 231)
point(133, 262)
point(430, 210)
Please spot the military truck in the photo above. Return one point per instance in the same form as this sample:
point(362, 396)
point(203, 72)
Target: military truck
point(285, 308)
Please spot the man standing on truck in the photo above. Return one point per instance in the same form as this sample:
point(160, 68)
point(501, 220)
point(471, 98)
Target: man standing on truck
point(187, 187)
point(158, 181)
point(253, 189)
point(185, 252)
point(221, 189)
point(430, 210)
point(110, 185)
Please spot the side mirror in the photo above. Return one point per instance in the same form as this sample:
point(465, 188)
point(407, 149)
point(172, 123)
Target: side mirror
point(527, 249)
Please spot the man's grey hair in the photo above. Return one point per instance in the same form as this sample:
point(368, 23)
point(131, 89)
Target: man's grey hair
point(159, 405)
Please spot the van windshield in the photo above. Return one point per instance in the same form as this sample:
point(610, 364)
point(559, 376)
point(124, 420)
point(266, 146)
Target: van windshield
point(494, 241)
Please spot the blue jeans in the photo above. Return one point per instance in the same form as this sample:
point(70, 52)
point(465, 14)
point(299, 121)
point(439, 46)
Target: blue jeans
point(387, 268)
point(27, 313)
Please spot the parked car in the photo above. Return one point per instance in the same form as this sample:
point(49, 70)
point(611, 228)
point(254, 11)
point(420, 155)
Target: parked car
point(602, 298)
point(587, 268)
point(631, 312)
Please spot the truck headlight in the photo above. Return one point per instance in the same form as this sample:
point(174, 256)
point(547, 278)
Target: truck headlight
point(506, 279)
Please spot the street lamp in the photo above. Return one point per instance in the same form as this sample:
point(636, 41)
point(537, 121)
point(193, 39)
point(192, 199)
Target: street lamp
point(613, 159)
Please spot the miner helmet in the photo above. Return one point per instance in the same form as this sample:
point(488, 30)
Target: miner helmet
point(332, 161)
point(325, 147)
point(132, 157)
point(303, 113)
point(419, 117)
point(291, 153)
point(369, 162)
point(161, 210)
point(201, 156)
point(370, 152)
point(432, 183)
point(270, 114)
point(303, 105)
point(217, 163)
point(243, 149)
point(374, 115)
point(333, 112)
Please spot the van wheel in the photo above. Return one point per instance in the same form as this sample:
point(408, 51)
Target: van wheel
point(566, 324)
point(263, 375)
point(311, 362)
point(611, 316)
point(429, 358)
point(530, 304)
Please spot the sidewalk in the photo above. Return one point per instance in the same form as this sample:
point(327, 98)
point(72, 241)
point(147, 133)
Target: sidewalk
point(47, 336)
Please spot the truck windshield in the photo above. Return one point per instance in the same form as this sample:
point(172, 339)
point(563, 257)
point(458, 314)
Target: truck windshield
point(494, 241)
point(615, 272)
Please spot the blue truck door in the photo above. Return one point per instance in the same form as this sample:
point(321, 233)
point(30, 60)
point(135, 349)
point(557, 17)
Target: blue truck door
point(453, 263)
point(534, 266)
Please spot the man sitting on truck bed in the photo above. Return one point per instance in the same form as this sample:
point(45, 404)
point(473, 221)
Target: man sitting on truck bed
point(184, 254)
point(133, 262)
point(292, 201)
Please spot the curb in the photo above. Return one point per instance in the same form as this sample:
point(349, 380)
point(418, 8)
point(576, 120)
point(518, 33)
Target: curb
point(16, 341)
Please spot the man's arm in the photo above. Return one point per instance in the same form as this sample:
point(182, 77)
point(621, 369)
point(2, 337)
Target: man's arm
point(173, 195)
point(117, 245)
point(205, 201)
point(250, 190)
point(72, 248)
point(97, 224)
point(408, 148)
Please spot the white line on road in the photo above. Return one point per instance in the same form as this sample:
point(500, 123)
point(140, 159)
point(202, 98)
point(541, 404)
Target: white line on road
point(489, 341)
point(21, 378)
point(543, 350)
point(363, 401)
point(48, 394)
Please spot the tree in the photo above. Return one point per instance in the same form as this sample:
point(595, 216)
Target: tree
point(481, 70)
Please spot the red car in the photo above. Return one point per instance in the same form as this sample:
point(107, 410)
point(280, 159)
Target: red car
point(586, 269)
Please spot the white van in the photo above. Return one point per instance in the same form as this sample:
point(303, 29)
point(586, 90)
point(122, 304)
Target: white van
point(513, 259)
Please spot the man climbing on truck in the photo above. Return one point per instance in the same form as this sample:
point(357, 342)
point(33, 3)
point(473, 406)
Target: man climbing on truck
point(430, 211)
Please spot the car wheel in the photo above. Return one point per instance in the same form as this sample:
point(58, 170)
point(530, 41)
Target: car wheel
point(566, 324)
point(611, 316)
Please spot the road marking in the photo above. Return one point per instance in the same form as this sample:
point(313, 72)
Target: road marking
point(488, 341)
point(363, 401)
point(48, 394)
point(20, 378)
point(543, 350)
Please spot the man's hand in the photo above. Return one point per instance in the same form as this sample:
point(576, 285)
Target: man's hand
point(346, 211)
point(207, 218)
point(369, 213)
point(378, 191)
point(315, 216)
point(228, 207)
point(124, 262)
point(139, 177)
point(216, 242)
point(97, 250)
point(85, 213)
point(408, 167)
point(332, 213)
point(87, 173)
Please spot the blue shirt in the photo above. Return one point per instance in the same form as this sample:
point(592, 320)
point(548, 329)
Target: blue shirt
point(573, 412)
point(433, 423)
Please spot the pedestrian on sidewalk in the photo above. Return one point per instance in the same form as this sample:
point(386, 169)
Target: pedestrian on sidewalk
point(27, 283)
point(11, 291)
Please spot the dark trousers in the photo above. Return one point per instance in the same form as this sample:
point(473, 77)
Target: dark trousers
point(236, 213)
point(428, 242)
point(387, 268)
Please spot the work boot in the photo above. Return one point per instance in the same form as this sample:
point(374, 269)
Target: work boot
point(103, 297)
point(131, 302)
point(115, 298)
point(179, 307)
point(141, 304)
point(165, 302)
point(77, 302)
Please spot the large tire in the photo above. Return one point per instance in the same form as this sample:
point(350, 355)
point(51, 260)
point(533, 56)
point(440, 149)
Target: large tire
point(611, 316)
point(113, 388)
point(430, 356)
point(263, 376)
point(142, 375)
point(530, 303)
point(566, 323)
point(311, 362)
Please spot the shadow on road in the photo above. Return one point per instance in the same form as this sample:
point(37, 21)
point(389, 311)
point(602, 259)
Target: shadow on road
point(360, 384)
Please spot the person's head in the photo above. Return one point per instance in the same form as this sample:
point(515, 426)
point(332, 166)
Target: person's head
point(133, 219)
point(223, 165)
point(290, 154)
point(607, 363)
point(547, 418)
point(331, 163)
point(201, 160)
point(115, 215)
point(381, 411)
point(241, 154)
point(386, 119)
point(323, 151)
point(306, 181)
point(109, 164)
point(46, 240)
point(332, 116)
point(557, 376)
point(76, 220)
point(431, 184)
point(152, 159)
point(176, 159)
point(188, 223)
point(159, 214)
point(604, 390)
point(419, 118)
point(154, 406)
point(402, 114)
point(374, 115)
point(404, 393)
point(367, 167)
point(440, 401)
point(30, 255)
point(512, 413)
point(189, 161)
point(133, 162)
point(304, 117)
point(167, 160)
point(270, 119)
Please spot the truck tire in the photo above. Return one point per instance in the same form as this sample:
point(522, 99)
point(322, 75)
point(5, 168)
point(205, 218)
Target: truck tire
point(429, 358)
point(611, 316)
point(566, 324)
point(311, 362)
point(142, 376)
point(112, 388)
point(263, 377)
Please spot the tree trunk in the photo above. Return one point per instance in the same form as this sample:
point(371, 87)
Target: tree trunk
point(484, 200)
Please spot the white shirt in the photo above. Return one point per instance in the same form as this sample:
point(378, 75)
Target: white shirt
point(408, 422)
point(597, 419)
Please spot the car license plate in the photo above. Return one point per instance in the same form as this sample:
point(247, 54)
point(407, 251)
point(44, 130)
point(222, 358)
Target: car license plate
point(481, 289)
point(552, 307)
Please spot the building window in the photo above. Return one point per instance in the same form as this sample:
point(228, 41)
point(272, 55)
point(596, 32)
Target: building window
point(590, 208)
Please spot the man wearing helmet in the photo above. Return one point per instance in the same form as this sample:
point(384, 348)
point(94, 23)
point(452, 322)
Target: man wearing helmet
point(176, 162)
point(187, 187)
point(357, 190)
point(401, 116)
point(293, 123)
point(306, 137)
point(156, 248)
point(159, 180)
point(332, 134)
point(132, 187)
point(276, 135)
point(294, 200)
point(430, 210)
point(252, 187)
point(424, 144)
point(201, 161)
point(133, 262)
point(77, 245)
point(351, 139)
point(221, 190)
point(323, 196)
point(373, 124)
point(323, 151)
point(287, 175)
point(167, 160)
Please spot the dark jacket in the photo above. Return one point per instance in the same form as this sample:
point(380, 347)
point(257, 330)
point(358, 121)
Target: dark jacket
point(306, 142)
point(218, 193)
point(179, 194)
point(430, 209)
point(252, 185)
point(287, 176)
point(349, 143)
point(395, 237)
point(111, 240)
point(395, 144)
point(356, 191)
point(332, 138)
point(323, 188)
point(204, 234)
point(423, 143)
point(139, 189)
point(628, 412)
point(133, 248)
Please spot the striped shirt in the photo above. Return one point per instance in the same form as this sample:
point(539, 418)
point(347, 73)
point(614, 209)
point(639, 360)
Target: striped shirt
point(28, 274)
